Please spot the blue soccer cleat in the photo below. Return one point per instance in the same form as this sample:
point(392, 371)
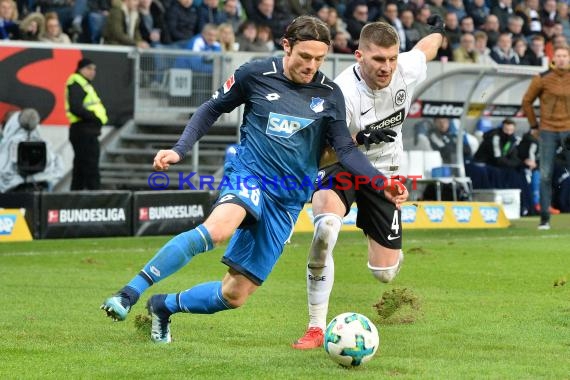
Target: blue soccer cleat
point(160, 317)
point(117, 307)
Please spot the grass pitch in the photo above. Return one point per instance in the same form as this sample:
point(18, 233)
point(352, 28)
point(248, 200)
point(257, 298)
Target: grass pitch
point(483, 304)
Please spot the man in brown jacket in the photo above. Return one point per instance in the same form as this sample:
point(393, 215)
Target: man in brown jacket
point(553, 89)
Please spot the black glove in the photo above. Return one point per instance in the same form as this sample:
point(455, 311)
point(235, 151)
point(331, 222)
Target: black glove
point(436, 24)
point(375, 136)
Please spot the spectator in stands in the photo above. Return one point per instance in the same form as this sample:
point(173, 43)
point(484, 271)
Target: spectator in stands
point(206, 41)
point(63, 8)
point(231, 14)
point(297, 8)
point(529, 11)
point(321, 10)
point(445, 52)
point(483, 52)
point(452, 30)
point(227, 38)
point(23, 126)
point(208, 13)
point(32, 26)
point(182, 21)
point(514, 26)
point(521, 48)
point(422, 15)
point(9, 29)
point(536, 54)
point(391, 17)
point(503, 10)
point(341, 43)
point(559, 41)
point(437, 8)
point(97, 13)
point(548, 33)
point(151, 25)
point(265, 37)
point(86, 114)
point(553, 91)
point(563, 19)
point(122, 26)
point(466, 52)
point(245, 36)
point(53, 32)
point(357, 17)
point(457, 7)
point(265, 14)
point(466, 25)
point(413, 35)
point(336, 23)
point(478, 11)
point(492, 29)
point(549, 11)
point(499, 147)
point(503, 52)
point(443, 140)
point(376, 8)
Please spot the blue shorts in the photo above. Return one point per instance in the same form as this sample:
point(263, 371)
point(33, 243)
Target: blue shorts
point(258, 243)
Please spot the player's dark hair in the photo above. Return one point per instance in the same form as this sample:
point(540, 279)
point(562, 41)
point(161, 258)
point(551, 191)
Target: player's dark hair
point(307, 28)
point(378, 33)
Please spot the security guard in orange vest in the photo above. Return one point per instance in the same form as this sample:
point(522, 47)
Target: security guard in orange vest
point(86, 115)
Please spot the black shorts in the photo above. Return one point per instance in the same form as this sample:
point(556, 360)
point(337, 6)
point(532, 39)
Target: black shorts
point(377, 217)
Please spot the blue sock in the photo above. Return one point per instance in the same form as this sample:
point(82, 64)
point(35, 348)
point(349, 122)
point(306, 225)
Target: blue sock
point(172, 256)
point(204, 298)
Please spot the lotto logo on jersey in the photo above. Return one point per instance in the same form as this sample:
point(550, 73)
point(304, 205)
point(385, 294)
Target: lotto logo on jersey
point(285, 125)
point(7, 223)
point(490, 214)
point(462, 214)
point(435, 213)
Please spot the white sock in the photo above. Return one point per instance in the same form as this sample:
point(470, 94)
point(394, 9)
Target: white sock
point(320, 275)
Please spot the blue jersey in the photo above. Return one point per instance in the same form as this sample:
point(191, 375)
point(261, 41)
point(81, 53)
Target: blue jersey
point(284, 129)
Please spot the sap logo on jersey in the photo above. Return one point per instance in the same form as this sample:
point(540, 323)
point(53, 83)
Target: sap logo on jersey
point(285, 125)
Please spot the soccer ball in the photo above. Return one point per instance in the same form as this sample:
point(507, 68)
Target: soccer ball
point(351, 339)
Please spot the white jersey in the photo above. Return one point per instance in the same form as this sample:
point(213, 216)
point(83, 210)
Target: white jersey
point(367, 109)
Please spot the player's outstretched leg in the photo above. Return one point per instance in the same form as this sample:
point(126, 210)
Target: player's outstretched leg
point(204, 298)
point(172, 256)
point(118, 305)
point(320, 278)
point(160, 317)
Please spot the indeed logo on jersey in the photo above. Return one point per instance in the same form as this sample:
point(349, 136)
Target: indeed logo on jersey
point(7, 223)
point(285, 125)
point(391, 121)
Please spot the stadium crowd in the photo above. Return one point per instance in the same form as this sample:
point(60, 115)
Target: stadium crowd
point(478, 31)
